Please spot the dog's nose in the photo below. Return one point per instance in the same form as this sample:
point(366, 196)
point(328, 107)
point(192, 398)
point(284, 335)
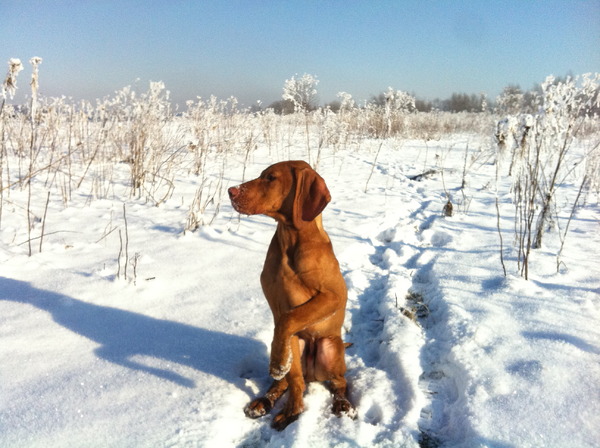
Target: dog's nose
point(233, 192)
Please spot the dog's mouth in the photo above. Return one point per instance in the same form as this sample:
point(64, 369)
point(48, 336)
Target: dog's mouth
point(239, 208)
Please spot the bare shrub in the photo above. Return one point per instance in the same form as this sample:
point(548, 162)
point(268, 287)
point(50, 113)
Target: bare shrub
point(542, 156)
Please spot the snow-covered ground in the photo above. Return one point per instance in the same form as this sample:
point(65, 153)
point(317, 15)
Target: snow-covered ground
point(170, 356)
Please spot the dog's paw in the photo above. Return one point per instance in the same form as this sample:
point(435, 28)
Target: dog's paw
point(258, 408)
point(282, 420)
point(341, 406)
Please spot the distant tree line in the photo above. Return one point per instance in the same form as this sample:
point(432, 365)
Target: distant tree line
point(512, 100)
point(458, 102)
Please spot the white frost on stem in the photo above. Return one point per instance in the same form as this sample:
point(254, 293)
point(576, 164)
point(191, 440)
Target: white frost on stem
point(10, 83)
point(35, 62)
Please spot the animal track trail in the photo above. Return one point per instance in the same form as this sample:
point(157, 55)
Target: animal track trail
point(399, 297)
point(412, 247)
point(438, 381)
point(374, 372)
point(386, 269)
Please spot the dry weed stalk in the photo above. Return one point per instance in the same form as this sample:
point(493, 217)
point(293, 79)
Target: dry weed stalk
point(542, 158)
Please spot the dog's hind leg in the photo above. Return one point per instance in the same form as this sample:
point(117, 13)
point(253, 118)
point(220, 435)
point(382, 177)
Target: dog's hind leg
point(331, 366)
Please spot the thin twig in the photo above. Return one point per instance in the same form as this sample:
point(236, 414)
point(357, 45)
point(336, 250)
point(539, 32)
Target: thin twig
point(46, 234)
point(564, 237)
point(500, 235)
point(32, 174)
point(126, 241)
point(106, 234)
point(373, 166)
point(120, 253)
point(44, 221)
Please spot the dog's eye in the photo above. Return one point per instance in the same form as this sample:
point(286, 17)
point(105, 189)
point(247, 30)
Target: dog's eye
point(270, 177)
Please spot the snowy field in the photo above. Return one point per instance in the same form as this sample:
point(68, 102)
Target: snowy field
point(447, 351)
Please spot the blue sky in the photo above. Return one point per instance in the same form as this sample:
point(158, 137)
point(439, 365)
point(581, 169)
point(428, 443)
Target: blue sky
point(248, 48)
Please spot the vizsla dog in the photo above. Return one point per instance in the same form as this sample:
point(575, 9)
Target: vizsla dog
point(303, 285)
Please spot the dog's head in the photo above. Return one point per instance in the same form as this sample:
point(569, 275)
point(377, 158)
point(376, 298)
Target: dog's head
point(291, 192)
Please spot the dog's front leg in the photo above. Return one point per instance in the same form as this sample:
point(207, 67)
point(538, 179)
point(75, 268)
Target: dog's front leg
point(295, 379)
point(320, 307)
point(281, 352)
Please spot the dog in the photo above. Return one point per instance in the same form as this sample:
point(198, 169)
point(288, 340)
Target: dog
point(304, 287)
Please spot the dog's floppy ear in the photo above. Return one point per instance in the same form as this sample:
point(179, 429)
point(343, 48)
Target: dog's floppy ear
point(312, 196)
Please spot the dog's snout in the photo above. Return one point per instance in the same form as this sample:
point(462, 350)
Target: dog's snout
point(233, 192)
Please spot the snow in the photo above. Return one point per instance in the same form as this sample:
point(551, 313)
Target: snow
point(446, 350)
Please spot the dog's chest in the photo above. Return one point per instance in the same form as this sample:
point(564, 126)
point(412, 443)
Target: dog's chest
point(283, 286)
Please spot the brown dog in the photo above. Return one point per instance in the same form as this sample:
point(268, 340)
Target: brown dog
point(302, 282)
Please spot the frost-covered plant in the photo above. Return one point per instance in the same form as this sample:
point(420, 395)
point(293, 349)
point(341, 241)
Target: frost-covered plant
point(301, 91)
point(484, 102)
point(347, 119)
point(146, 138)
point(541, 156)
point(566, 108)
point(387, 115)
point(270, 126)
point(213, 126)
point(217, 131)
point(347, 103)
point(9, 86)
point(399, 101)
point(510, 101)
point(331, 129)
point(592, 171)
point(397, 104)
point(35, 85)
point(209, 194)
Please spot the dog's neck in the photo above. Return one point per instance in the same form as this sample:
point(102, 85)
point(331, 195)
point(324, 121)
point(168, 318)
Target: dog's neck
point(289, 235)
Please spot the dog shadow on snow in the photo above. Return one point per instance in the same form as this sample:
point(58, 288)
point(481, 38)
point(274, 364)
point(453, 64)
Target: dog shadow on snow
point(124, 336)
